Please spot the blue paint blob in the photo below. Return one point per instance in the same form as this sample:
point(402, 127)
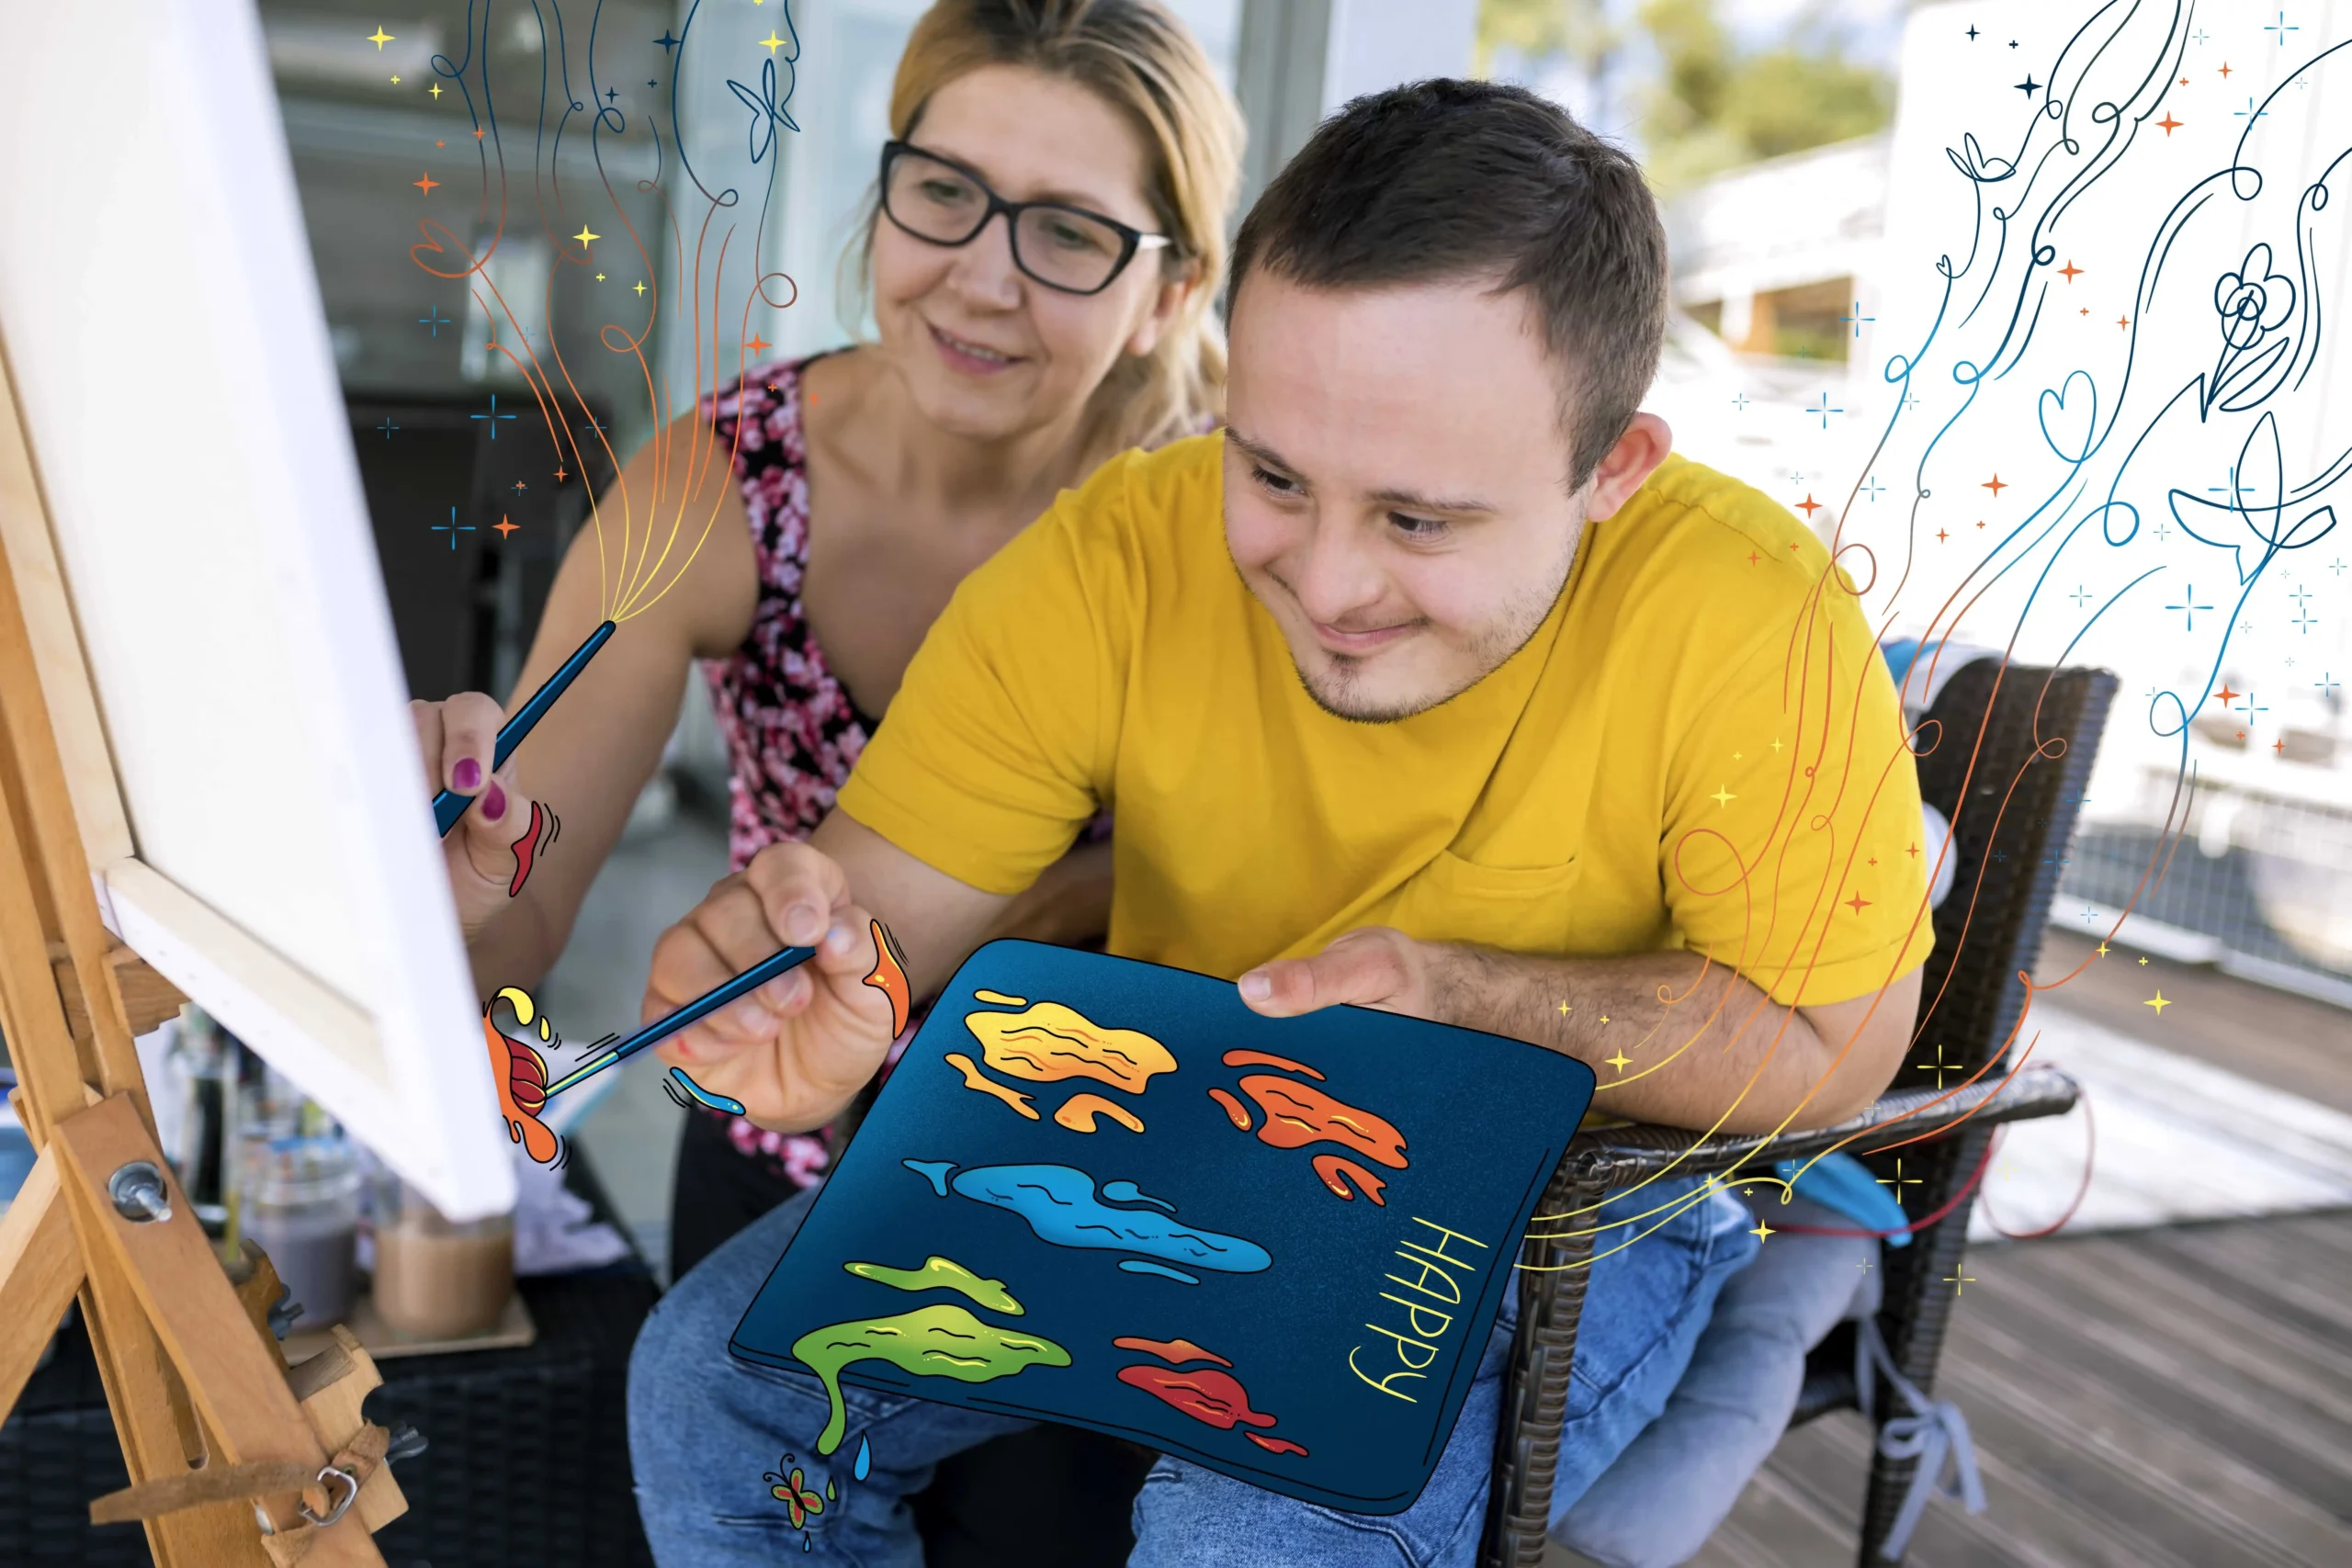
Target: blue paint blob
point(1141, 1266)
point(1128, 1192)
point(1060, 1204)
point(932, 1170)
point(716, 1101)
point(865, 1458)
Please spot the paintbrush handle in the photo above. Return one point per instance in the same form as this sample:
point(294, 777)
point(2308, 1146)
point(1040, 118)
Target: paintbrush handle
point(687, 1017)
point(449, 805)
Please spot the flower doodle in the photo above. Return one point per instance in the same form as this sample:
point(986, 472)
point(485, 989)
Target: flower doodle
point(2252, 300)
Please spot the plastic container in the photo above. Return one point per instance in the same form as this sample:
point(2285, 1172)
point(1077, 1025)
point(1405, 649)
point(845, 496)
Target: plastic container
point(436, 1278)
point(299, 1202)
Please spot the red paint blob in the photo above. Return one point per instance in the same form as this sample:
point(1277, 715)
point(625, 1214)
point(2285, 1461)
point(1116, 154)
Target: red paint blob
point(1267, 1059)
point(1297, 1115)
point(1332, 1167)
point(1234, 1110)
point(1209, 1395)
point(1175, 1352)
point(1277, 1445)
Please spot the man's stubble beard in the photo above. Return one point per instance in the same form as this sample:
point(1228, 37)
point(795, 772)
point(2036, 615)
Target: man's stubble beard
point(1493, 647)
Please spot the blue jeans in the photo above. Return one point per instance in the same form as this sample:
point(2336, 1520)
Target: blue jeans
point(1661, 1499)
point(704, 1428)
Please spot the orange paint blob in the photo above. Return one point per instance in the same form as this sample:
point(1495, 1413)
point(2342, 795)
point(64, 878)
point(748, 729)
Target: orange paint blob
point(976, 1079)
point(1175, 1352)
point(520, 1076)
point(1267, 1059)
point(1277, 1445)
point(1330, 1167)
point(889, 977)
point(1233, 1109)
point(1297, 1115)
point(1079, 1112)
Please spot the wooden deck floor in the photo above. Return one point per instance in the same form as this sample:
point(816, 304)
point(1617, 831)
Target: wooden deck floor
point(2178, 1398)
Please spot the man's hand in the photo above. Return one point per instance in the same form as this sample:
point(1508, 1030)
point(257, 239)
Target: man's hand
point(1372, 966)
point(795, 1050)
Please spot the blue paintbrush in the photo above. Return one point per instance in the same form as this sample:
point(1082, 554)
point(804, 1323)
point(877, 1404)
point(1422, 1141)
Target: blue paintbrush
point(449, 805)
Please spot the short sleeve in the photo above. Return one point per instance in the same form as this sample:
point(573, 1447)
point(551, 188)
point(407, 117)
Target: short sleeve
point(998, 747)
point(1793, 849)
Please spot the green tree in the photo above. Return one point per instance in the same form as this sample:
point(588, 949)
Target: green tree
point(1714, 106)
point(1579, 30)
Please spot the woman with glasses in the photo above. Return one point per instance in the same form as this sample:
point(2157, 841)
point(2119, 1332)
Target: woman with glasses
point(1045, 240)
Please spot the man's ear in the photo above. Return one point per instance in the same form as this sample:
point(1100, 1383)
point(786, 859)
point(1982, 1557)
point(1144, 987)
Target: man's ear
point(1622, 470)
point(1167, 302)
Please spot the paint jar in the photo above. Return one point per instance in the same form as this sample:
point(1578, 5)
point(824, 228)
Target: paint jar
point(299, 1203)
point(437, 1278)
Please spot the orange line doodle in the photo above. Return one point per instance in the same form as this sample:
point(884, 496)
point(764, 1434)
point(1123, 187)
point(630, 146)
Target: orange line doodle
point(522, 1081)
point(976, 1079)
point(1079, 1112)
point(1268, 1059)
point(1234, 1110)
point(889, 977)
point(1330, 1167)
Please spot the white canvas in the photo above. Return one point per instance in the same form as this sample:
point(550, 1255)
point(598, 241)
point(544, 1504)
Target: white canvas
point(172, 369)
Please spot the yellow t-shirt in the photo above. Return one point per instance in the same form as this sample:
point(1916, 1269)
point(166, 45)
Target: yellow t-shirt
point(1699, 747)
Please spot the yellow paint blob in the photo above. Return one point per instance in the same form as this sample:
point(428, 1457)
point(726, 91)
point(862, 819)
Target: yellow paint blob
point(1048, 1042)
point(976, 1079)
point(1079, 1112)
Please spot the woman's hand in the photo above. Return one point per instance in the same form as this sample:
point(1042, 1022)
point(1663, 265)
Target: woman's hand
point(457, 739)
point(796, 1051)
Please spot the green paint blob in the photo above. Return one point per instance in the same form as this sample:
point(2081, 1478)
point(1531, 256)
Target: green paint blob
point(941, 1273)
point(943, 1340)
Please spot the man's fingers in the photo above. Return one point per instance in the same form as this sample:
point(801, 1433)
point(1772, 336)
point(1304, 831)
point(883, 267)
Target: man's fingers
point(1356, 968)
point(800, 889)
point(687, 965)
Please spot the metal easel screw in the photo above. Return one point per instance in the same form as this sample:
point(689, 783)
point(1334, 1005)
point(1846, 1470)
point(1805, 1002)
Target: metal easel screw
point(284, 1311)
point(139, 1192)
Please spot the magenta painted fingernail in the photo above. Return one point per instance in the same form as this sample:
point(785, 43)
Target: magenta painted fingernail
point(466, 774)
point(494, 803)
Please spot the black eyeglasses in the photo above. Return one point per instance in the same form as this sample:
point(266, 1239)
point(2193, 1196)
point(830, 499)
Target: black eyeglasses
point(1062, 247)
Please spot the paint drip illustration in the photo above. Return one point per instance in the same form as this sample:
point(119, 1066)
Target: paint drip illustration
point(1204, 1394)
point(942, 1340)
point(1051, 1042)
point(1298, 1114)
point(1060, 1203)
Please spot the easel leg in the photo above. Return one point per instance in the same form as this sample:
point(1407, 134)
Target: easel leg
point(177, 1287)
point(131, 1358)
point(39, 1271)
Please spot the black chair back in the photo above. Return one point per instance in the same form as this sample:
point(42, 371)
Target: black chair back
point(2005, 754)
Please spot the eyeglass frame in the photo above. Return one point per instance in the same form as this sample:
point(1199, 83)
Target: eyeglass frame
point(1131, 239)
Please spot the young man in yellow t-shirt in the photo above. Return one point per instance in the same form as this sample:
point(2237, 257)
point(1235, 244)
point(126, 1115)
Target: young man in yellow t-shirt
point(1435, 684)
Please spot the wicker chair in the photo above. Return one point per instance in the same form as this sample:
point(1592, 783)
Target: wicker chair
point(2040, 729)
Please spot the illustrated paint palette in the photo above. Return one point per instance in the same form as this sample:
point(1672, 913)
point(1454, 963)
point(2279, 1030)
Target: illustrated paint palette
point(1106, 1193)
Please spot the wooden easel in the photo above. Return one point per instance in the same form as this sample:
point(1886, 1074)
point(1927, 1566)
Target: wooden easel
point(224, 1445)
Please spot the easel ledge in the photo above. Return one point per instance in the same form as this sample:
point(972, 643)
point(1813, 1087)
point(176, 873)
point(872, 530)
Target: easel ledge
point(216, 1437)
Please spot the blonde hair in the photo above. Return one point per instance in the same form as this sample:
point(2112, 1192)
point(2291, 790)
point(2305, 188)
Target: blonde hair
point(1144, 63)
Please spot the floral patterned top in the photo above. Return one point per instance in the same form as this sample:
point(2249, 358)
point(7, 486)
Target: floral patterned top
point(792, 732)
